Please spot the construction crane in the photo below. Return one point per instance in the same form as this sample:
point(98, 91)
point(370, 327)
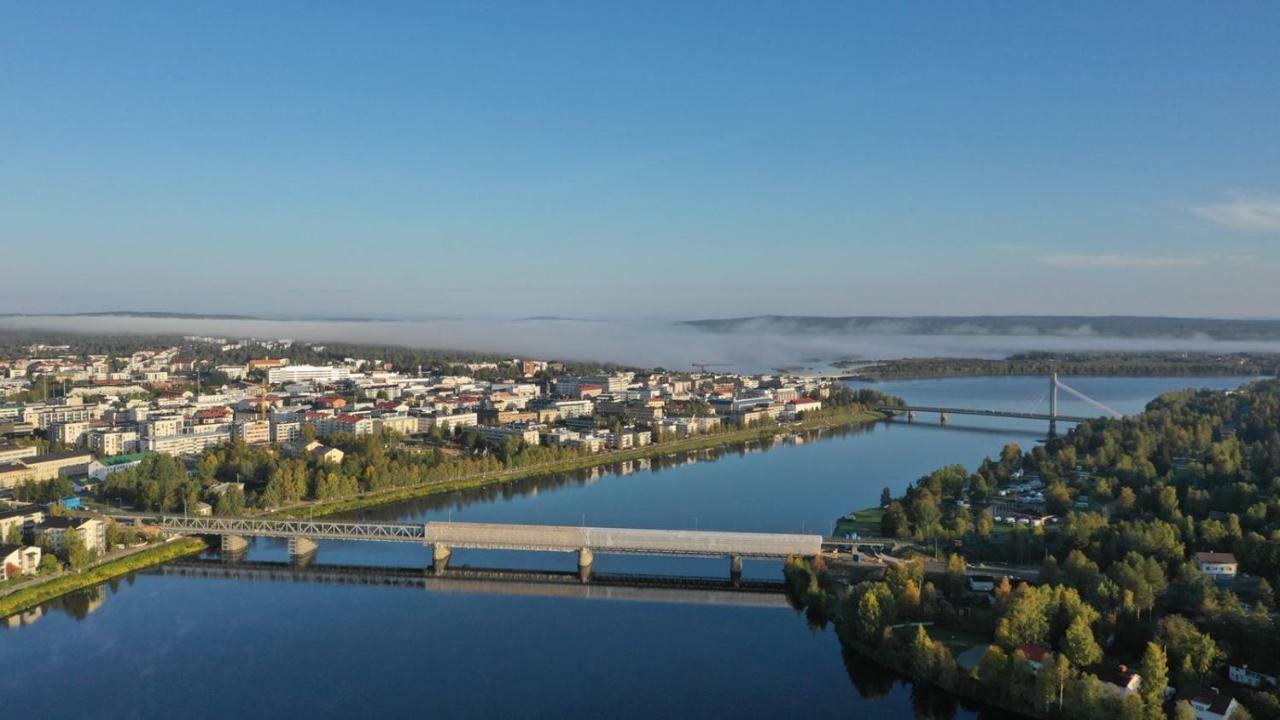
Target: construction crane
point(262, 399)
point(702, 366)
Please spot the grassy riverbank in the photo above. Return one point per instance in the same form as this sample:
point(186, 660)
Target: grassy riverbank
point(670, 447)
point(58, 585)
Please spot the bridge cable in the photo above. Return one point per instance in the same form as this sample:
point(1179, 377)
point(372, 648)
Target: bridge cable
point(1089, 400)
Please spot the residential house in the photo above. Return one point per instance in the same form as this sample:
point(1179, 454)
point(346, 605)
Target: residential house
point(1208, 703)
point(18, 560)
point(1217, 565)
point(53, 530)
point(1245, 675)
point(1119, 680)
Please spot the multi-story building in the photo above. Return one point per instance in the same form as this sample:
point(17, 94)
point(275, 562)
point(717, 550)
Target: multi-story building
point(69, 433)
point(46, 416)
point(252, 432)
point(285, 431)
point(447, 422)
point(500, 433)
point(307, 373)
point(187, 443)
point(349, 423)
point(53, 531)
point(112, 441)
point(24, 517)
point(403, 424)
point(39, 468)
point(163, 426)
point(17, 452)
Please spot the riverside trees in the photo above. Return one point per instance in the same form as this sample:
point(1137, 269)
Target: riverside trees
point(1197, 471)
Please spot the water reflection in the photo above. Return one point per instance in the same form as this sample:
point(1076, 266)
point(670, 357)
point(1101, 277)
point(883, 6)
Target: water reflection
point(78, 604)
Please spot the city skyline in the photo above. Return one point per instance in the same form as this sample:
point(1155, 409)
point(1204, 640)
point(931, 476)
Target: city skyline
point(621, 162)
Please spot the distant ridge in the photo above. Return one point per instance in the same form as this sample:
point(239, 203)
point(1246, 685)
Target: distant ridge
point(1054, 325)
point(165, 315)
point(138, 314)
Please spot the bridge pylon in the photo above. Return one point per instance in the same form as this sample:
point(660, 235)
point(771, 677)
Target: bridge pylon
point(440, 554)
point(1053, 404)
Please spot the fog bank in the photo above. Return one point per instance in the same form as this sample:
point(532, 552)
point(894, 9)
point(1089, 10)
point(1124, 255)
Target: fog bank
point(639, 343)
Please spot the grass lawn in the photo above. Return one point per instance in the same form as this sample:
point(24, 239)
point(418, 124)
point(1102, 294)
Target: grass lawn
point(866, 523)
point(957, 640)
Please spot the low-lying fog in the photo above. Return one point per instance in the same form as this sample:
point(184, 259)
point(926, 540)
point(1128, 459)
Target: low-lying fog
point(639, 343)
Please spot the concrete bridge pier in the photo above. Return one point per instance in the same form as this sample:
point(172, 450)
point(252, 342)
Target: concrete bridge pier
point(942, 418)
point(585, 560)
point(735, 569)
point(440, 554)
point(233, 547)
point(301, 551)
point(911, 416)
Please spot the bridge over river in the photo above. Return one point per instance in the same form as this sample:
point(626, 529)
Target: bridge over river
point(444, 537)
point(1053, 416)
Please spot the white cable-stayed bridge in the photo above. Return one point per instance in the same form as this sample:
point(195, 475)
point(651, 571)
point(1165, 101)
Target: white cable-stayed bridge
point(1053, 416)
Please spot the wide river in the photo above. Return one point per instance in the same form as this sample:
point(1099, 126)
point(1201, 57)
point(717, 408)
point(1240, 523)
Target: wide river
point(161, 645)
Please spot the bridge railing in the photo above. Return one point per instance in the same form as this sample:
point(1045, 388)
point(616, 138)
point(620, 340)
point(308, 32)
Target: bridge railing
point(313, 529)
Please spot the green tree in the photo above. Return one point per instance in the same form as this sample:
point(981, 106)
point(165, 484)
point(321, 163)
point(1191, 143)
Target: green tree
point(1194, 657)
point(1079, 644)
point(48, 564)
point(921, 654)
point(870, 622)
point(955, 575)
point(1084, 697)
point(1155, 675)
point(993, 667)
point(230, 502)
point(1132, 708)
point(14, 536)
point(1184, 711)
point(78, 555)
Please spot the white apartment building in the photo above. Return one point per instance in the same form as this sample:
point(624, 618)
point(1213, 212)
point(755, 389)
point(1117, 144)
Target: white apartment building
point(112, 442)
point(307, 373)
point(188, 443)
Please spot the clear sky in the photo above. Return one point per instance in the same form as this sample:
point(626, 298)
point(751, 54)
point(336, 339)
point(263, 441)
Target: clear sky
point(641, 160)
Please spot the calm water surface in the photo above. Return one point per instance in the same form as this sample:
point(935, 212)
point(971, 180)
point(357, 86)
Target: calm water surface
point(154, 645)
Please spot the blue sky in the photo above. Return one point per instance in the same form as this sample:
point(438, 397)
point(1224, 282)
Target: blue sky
point(641, 160)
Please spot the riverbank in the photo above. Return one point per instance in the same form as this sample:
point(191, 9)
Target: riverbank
point(671, 447)
point(43, 590)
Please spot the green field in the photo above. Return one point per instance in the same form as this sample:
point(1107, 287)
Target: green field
point(865, 523)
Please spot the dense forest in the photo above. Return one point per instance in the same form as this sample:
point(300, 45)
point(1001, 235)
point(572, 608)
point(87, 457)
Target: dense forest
point(1075, 326)
point(1197, 471)
point(15, 343)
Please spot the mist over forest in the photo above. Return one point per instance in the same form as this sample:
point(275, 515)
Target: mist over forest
point(754, 344)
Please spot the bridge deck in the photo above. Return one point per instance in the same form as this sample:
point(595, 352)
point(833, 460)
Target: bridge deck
point(547, 538)
point(621, 540)
point(984, 413)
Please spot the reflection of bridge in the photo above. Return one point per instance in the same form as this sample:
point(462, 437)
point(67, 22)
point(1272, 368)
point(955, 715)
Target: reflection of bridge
point(1052, 416)
point(643, 588)
point(444, 537)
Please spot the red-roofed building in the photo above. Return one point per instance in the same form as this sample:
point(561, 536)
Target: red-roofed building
point(331, 402)
point(212, 416)
point(1036, 655)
